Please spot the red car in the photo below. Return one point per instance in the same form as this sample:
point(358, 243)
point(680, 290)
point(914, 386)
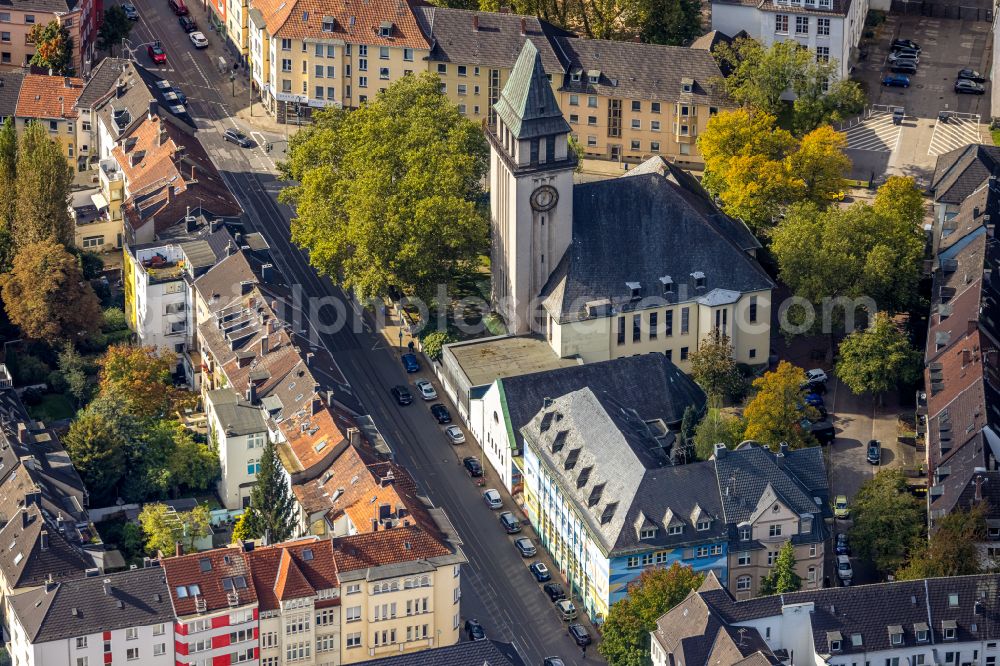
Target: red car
point(157, 54)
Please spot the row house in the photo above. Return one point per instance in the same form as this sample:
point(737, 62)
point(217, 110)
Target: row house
point(948, 621)
point(49, 101)
point(607, 503)
point(81, 20)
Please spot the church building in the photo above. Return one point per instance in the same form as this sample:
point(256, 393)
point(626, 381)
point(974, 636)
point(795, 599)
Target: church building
point(645, 262)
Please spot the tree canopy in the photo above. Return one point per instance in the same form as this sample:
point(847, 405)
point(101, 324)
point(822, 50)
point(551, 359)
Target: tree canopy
point(625, 632)
point(775, 413)
point(41, 184)
point(115, 27)
point(53, 47)
point(94, 443)
point(389, 194)
point(8, 191)
point(878, 359)
point(271, 514)
point(717, 428)
point(887, 520)
point(782, 577)
point(714, 368)
point(164, 529)
point(139, 377)
point(953, 547)
point(46, 297)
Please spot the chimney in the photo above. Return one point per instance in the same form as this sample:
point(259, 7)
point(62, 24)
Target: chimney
point(720, 450)
point(783, 449)
point(194, 175)
point(107, 583)
point(44, 540)
point(979, 487)
point(178, 549)
point(154, 108)
point(475, 24)
point(22, 433)
point(190, 224)
point(252, 393)
point(50, 584)
point(524, 27)
point(966, 357)
point(264, 342)
point(170, 193)
point(309, 358)
point(267, 273)
point(374, 524)
point(24, 518)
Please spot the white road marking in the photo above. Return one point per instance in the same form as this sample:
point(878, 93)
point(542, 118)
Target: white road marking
point(878, 133)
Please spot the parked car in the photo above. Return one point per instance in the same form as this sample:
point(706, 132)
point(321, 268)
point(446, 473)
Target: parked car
point(425, 389)
point(842, 548)
point(156, 53)
point(844, 571)
point(553, 661)
point(814, 400)
point(511, 525)
point(178, 7)
point(579, 634)
point(473, 466)
point(239, 138)
point(474, 630)
point(900, 56)
point(410, 363)
point(187, 23)
point(566, 609)
point(525, 547)
point(905, 44)
point(402, 395)
point(131, 13)
point(874, 456)
point(816, 375)
point(199, 40)
point(823, 431)
point(454, 434)
point(540, 571)
point(902, 51)
point(493, 499)
point(971, 75)
point(441, 413)
point(967, 87)
point(903, 67)
point(554, 591)
point(896, 81)
point(840, 508)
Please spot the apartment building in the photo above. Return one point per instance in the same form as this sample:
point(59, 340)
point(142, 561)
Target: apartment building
point(81, 20)
point(51, 102)
point(103, 619)
point(239, 431)
point(931, 621)
point(830, 28)
point(338, 54)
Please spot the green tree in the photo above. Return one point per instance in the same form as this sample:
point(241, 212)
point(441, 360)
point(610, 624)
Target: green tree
point(952, 549)
point(132, 542)
point(900, 199)
point(241, 531)
point(689, 425)
point(115, 27)
point(878, 359)
point(433, 343)
point(94, 444)
point(388, 193)
point(821, 98)
point(887, 520)
point(673, 22)
point(762, 75)
point(8, 191)
point(164, 528)
point(714, 367)
point(821, 164)
point(782, 577)
point(271, 511)
point(45, 295)
point(625, 632)
point(193, 466)
point(775, 413)
point(717, 428)
point(53, 47)
point(74, 372)
point(42, 190)
point(140, 377)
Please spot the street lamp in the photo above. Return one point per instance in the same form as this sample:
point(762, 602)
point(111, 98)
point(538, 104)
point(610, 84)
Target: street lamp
point(232, 80)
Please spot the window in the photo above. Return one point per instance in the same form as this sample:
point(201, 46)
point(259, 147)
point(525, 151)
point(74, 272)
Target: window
point(654, 146)
point(636, 124)
point(286, 85)
point(685, 319)
point(286, 65)
point(591, 120)
point(592, 101)
point(636, 328)
point(652, 325)
point(674, 530)
point(921, 635)
point(320, 69)
point(253, 466)
point(949, 635)
point(953, 600)
point(463, 89)
point(649, 533)
point(812, 550)
point(353, 614)
point(131, 633)
point(621, 330)
point(362, 81)
point(383, 53)
point(241, 616)
point(4, 17)
point(772, 555)
point(591, 140)
point(574, 118)
point(781, 23)
point(132, 654)
point(668, 323)
point(326, 643)
point(743, 559)
point(354, 640)
point(383, 73)
point(353, 588)
point(5, 37)
point(811, 574)
point(636, 105)
point(654, 125)
point(93, 241)
point(822, 54)
point(159, 649)
point(897, 639)
point(684, 353)
point(29, 19)
point(158, 629)
point(753, 309)
point(286, 44)
point(297, 651)
point(743, 583)
point(801, 25)
point(823, 27)
point(703, 525)
point(835, 646)
point(53, 125)
point(774, 531)
point(81, 642)
point(701, 551)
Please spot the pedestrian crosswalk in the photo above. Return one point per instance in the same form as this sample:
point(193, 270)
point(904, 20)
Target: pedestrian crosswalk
point(877, 133)
point(956, 132)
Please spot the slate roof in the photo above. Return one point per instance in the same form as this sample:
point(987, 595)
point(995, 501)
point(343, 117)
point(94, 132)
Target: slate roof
point(237, 416)
point(629, 229)
point(960, 172)
point(34, 550)
point(48, 6)
point(490, 39)
point(710, 40)
point(650, 384)
point(466, 653)
point(633, 70)
point(10, 88)
point(126, 106)
point(527, 105)
point(869, 610)
point(972, 214)
point(83, 606)
point(102, 80)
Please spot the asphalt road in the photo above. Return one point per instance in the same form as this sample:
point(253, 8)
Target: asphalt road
point(496, 587)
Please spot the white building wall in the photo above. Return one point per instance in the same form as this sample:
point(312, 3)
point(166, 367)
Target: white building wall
point(150, 645)
point(490, 430)
point(235, 454)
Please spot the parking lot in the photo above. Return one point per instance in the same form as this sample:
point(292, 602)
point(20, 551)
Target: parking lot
point(946, 47)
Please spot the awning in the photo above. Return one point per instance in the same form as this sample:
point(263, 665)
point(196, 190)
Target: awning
point(99, 200)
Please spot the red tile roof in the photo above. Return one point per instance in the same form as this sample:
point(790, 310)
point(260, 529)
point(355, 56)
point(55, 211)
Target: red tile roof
point(202, 576)
point(271, 566)
point(354, 22)
point(389, 546)
point(48, 96)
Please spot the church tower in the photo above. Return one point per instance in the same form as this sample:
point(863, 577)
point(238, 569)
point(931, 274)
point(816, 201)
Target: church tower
point(531, 191)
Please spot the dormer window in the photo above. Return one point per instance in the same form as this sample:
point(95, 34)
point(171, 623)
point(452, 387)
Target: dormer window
point(745, 533)
point(703, 525)
point(950, 629)
point(575, 76)
point(667, 284)
point(635, 290)
point(687, 85)
point(896, 634)
point(385, 29)
point(594, 76)
point(648, 533)
point(699, 279)
point(674, 530)
point(835, 646)
point(328, 23)
point(920, 632)
point(836, 640)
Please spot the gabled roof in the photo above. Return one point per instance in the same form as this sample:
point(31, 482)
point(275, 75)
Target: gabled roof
point(353, 22)
point(291, 583)
point(751, 472)
point(47, 97)
point(527, 105)
point(312, 559)
point(237, 416)
point(626, 230)
point(466, 653)
point(201, 578)
point(32, 551)
point(82, 606)
point(385, 547)
point(101, 81)
point(10, 88)
point(959, 173)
